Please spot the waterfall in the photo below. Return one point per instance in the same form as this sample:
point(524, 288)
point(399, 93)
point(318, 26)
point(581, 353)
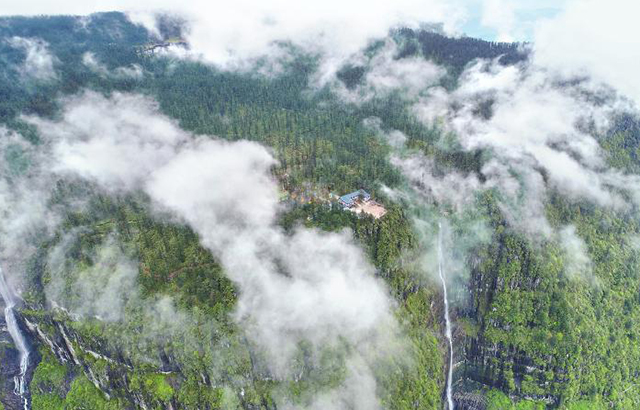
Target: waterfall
point(447, 320)
point(19, 340)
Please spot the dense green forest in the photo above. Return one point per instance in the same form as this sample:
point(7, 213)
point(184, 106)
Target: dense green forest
point(528, 335)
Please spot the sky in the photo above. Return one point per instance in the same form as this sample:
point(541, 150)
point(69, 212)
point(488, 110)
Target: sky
point(508, 20)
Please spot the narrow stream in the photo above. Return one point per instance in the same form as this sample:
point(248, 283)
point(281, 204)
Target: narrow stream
point(447, 319)
point(21, 388)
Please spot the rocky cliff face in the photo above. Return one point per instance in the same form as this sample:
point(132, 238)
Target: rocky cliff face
point(109, 370)
point(470, 401)
point(70, 349)
point(488, 355)
point(10, 363)
point(9, 367)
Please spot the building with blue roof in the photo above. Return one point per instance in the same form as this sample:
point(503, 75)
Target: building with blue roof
point(351, 199)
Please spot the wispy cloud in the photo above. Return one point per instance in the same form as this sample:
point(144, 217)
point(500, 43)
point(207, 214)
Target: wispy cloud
point(26, 212)
point(38, 62)
point(90, 60)
point(384, 73)
point(578, 264)
point(101, 290)
point(533, 126)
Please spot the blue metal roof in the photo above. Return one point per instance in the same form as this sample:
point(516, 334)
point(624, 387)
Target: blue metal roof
point(350, 198)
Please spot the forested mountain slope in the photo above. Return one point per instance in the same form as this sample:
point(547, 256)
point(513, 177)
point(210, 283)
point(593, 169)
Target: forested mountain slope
point(130, 303)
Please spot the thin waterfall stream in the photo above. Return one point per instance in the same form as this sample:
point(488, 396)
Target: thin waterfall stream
point(21, 388)
point(447, 319)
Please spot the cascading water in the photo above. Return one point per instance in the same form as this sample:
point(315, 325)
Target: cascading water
point(19, 340)
point(446, 318)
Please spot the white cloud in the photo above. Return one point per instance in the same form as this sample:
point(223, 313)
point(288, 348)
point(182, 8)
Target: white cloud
point(577, 264)
point(39, 62)
point(448, 187)
point(25, 212)
point(385, 74)
point(134, 71)
point(100, 290)
point(597, 38)
point(91, 61)
point(102, 149)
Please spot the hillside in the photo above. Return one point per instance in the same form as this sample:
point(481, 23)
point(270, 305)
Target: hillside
point(173, 240)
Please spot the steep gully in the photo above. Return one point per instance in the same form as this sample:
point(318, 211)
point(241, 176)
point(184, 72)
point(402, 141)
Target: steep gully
point(19, 339)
